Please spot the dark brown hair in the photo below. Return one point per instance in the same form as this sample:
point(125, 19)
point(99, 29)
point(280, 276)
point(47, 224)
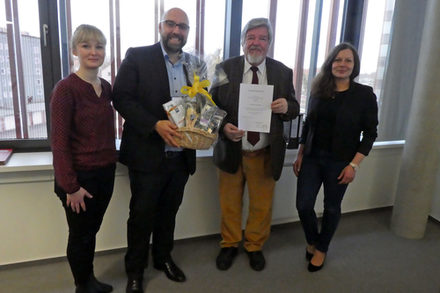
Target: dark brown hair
point(323, 84)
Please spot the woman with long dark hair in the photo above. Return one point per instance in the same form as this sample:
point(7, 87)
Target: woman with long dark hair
point(339, 131)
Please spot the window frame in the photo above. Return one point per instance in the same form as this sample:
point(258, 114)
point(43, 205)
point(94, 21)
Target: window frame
point(54, 25)
point(50, 58)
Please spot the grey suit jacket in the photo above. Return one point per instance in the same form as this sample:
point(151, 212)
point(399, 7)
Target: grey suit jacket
point(227, 154)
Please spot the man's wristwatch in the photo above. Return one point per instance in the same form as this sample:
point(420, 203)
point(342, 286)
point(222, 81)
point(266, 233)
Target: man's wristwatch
point(355, 166)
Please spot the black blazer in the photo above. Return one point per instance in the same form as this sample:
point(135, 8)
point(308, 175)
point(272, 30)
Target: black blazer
point(141, 88)
point(226, 97)
point(357, 115)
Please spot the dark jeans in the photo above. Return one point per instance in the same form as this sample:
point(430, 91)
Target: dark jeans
point(155, 200)
point(320, 168)
point(84, 226)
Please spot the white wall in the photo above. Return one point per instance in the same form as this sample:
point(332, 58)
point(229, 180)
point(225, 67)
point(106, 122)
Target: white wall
point(33, 225)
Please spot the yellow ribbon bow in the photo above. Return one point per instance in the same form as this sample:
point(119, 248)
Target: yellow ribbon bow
point(198, 87)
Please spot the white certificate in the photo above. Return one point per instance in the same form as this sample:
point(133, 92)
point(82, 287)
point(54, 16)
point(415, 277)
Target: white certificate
point(254, 111)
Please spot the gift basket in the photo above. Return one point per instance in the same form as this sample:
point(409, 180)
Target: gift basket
point(196, 115)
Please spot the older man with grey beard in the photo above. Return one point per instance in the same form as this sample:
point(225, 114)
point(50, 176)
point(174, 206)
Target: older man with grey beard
point(251, 157)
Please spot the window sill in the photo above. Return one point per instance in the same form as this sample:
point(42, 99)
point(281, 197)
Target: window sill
point(42, 161)
point(388, 144)
point(21, 162)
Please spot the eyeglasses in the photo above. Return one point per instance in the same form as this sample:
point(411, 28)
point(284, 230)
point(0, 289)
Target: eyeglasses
point(172, 24)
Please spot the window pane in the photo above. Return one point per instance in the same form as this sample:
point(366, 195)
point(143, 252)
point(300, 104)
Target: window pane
point(22, 104)
point(7, 124)
point(323, 34)
point(214, 34)
point(287, 29)
point(89, 16)
point(307, 56)
point(137, 24)
point(254, 9)
point(374, 52)
point(2, 15)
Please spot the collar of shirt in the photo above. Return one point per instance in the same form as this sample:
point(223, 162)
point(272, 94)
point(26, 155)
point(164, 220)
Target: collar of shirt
point(247, 72)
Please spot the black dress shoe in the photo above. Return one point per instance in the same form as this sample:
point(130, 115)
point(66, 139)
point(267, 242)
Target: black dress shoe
point(225, 257)
point(171, 270)
point(312, 268)
point(86, 288)
point(102, 287)
point(93, 286)
point(134, 286)
point(256, 260)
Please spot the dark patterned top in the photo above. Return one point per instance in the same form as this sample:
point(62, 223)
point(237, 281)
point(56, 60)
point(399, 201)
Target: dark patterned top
point(83, 132)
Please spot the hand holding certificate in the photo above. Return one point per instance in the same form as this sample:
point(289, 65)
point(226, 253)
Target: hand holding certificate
point(254, 111)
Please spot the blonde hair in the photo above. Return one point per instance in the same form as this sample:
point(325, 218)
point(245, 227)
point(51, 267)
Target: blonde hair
point(87, 32)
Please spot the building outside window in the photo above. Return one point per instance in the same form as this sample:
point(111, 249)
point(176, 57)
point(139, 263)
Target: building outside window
point(376, 43)
point(19, 36)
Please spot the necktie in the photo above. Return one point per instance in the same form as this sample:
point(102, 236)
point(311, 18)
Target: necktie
point(252, 136)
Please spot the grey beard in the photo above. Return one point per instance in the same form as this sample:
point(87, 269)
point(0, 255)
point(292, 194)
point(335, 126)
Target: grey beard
point(255, 60)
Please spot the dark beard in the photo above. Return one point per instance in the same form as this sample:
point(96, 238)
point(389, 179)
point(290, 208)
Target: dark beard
point(173, 48)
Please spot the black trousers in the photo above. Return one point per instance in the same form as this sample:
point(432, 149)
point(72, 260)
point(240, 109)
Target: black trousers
point(320, 168)
point(155, 200)
point(84, 226)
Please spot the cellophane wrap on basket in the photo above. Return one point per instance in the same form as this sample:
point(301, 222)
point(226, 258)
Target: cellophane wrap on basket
point(196, 115)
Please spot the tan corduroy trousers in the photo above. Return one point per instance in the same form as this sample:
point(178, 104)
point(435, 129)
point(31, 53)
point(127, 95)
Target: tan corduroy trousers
point(255, 170)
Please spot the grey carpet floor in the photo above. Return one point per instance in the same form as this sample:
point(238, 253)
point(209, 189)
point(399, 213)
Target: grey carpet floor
point(365, 256)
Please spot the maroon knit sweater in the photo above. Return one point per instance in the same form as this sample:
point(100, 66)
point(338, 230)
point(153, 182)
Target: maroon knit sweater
point(82, 132)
